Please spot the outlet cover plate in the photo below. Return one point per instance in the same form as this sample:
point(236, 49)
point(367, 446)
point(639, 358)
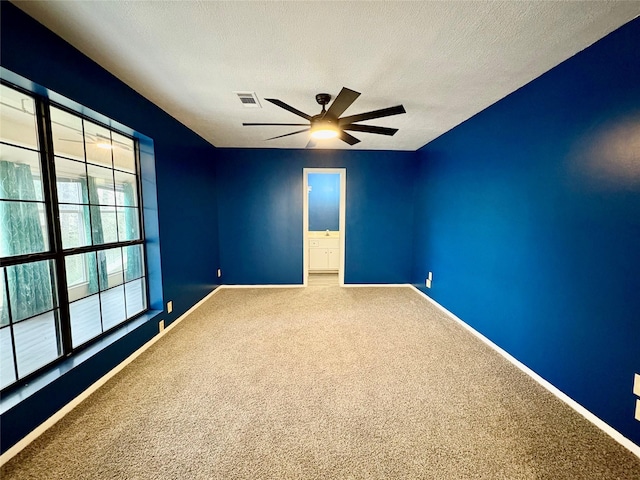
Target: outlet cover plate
point(638, 410)
point(170, 306)
point(161, 325)
point(636, 384)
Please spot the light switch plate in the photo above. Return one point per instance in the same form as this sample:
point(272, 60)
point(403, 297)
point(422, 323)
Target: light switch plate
point(636, 384)
point(430, 276)
point(428, 283)
point(169, 307)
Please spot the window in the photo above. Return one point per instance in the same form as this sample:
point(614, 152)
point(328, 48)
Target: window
point(72, 260)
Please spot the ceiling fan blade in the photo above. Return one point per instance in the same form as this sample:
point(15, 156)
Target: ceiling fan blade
point(370, 129)
point(283, 124)
point(281, 104)
point(343, 101)
point(312, 143)
point(287, 134)
point(350, 139)
point(385, 112)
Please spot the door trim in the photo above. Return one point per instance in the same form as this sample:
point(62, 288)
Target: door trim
point(341, 220)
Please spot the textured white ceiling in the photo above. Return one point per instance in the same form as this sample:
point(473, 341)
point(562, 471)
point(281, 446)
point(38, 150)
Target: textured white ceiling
point(444, 61)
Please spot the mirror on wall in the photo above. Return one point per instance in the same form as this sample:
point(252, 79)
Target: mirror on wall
point(324, 202)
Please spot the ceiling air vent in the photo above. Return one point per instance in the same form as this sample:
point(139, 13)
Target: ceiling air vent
point(248, 99)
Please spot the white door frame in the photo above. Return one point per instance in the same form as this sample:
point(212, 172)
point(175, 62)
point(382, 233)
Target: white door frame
point(341, 219)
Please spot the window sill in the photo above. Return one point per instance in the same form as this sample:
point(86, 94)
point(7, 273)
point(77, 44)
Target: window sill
point(13, 398)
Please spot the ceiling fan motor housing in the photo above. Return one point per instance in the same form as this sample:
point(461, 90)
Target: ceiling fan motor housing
point(324, 120)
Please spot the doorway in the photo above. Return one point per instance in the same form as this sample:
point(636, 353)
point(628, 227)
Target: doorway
point(323, 227)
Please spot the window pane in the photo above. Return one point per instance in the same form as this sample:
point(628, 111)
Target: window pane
point(101, 191)
point(85, 320)
point(74, 225)
point(17, 117)
point(37, 342)
point(31, 289)
point(128, 224)
point(66, 129)
point(98, 144)
point(23, 228)
point(71, 180)
point(133, 262)
point(82, 275)
point(7, 366)
point(4, 305)
point(103, 225)
point(76, 271)
point(111, 268)
point(20, 177)
point(135, 297)
point(126, 194)
point(113, 310)
point(97, 192)
point(123, 153)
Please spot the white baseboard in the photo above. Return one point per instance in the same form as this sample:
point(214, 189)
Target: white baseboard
point(605, 427)
point(292, 285)
point(301, 285)
point(56, 417)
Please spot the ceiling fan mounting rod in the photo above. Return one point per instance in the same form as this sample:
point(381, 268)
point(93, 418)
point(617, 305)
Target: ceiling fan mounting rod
point(323, 99)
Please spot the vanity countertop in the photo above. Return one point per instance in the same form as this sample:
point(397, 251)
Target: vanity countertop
point(323, 234)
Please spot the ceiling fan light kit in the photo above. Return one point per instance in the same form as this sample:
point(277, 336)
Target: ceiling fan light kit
point(324, 131)
point(103, 142)
point(329, 124)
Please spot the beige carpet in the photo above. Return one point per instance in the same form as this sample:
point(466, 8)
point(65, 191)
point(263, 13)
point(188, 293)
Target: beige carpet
point(321, 383)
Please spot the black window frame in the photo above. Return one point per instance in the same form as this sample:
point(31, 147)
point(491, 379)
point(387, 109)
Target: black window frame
point(56, 252)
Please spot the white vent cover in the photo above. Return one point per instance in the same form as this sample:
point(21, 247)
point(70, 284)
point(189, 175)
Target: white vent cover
point(248, 99)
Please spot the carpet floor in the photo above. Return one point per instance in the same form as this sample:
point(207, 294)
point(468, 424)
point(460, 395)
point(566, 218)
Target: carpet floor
point(321, 383)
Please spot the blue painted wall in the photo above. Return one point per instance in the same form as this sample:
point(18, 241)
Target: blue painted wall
point(528, 215)
point(185, 180)
point(324, 201)
point(260, 214)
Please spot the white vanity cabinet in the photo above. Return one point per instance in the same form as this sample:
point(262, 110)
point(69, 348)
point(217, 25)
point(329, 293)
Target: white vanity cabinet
point(324, 254)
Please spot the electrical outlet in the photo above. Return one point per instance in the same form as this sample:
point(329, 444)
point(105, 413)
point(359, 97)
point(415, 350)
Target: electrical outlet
point(161, 325)
point(638, 410)
point(170, 307)
point(219, 273)
point(428, 283)
point(636, 384)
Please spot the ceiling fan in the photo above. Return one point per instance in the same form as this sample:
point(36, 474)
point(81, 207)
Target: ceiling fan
point(329, 124)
